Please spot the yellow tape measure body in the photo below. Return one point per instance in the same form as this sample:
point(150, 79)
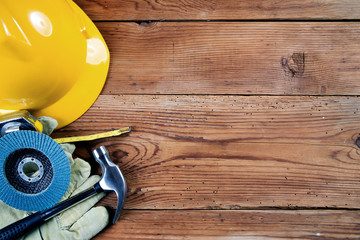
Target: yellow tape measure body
point(93, 136)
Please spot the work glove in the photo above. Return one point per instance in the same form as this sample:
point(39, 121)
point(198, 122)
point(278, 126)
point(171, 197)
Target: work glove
point(83, 221)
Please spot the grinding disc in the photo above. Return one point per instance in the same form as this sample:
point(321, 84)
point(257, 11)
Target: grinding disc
point(34, 171)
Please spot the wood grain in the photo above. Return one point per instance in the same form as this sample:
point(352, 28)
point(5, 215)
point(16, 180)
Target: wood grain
point(329, 120)
point(268, 58)
point(232, 152)
point(219, 10)
point(211, 157)
point(235, 225)
point(168, 174)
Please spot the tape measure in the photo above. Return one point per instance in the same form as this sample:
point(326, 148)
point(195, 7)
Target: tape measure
point(93, 136)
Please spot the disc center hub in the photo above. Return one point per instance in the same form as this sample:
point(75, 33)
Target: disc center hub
point(30, 169)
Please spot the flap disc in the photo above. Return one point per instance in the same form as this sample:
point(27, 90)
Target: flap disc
point(34, 171)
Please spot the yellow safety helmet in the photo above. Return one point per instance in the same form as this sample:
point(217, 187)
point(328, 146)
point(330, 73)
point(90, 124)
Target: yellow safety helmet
point(53, 60)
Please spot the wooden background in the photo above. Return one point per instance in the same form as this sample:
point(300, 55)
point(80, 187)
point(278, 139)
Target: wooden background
point(245, 117)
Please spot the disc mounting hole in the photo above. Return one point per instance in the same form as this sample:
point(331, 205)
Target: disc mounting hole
point(31, 169)
point(28, 170)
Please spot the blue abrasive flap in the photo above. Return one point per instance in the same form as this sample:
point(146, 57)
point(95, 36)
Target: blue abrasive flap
point(34, 171)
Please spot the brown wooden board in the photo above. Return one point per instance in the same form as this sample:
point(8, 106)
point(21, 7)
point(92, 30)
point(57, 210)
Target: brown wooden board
point(245, 117)
point(327, 120)
point(269, 58)
point(235, 225)
point(219, 10)
point(232, 152)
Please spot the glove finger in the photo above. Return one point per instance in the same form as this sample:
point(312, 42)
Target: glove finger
point(69, 150)
point(49, 124)
point(90, 224)
point(67, 218)
point(33, 235)
point(9, 215)
point(91, 181)
point(86, 227)
point(80, 172)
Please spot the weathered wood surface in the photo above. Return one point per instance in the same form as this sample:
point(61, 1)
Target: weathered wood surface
point(235, 225)
point(232, 152)
point(271, 58)
point(326, 120)
point(219, 10)
point(211, 157)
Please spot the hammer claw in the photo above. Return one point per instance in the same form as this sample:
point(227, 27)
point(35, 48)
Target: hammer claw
point(112, 179)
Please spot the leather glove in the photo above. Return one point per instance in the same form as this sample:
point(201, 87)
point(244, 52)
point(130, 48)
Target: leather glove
point(83, 221)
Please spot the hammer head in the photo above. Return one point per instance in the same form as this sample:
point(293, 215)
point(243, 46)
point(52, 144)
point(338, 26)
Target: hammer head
point(112, 179)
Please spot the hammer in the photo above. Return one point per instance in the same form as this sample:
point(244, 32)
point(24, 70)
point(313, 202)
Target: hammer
point(111, 180)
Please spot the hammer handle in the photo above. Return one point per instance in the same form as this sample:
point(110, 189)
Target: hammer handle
point(21, 227)
point(25, 225)
point(63, 206)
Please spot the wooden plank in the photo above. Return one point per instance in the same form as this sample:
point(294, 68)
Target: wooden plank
point(235, 225)
point(166, 174)
point(271, 58)
point(232, 152)
point(263, 119)
point(219, 10)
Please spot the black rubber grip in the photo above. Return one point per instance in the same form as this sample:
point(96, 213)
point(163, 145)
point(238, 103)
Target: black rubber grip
point(21, 227)
point(25, 225)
